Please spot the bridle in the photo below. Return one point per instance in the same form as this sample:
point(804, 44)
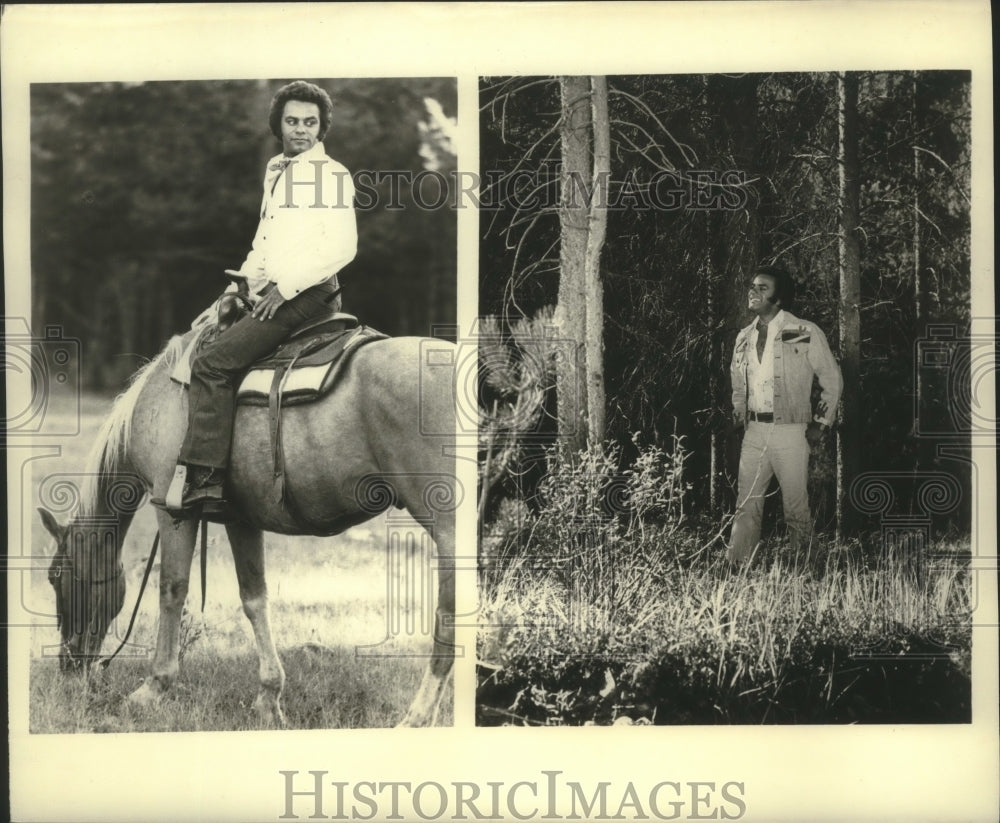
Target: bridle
point(119, 571)
point(67, 565)
point(57, 573)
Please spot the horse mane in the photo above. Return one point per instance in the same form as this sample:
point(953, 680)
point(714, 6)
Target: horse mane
point(108, 452)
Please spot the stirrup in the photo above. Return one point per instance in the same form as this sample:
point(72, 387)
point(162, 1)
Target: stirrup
point(174, 498)
point(173, 501)
point(215, 509)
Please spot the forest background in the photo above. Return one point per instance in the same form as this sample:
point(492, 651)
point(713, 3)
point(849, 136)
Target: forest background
point(143, 193)
point(858, 184)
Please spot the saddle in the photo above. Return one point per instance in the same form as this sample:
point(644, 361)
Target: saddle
point(303, 369)
point(307, 365)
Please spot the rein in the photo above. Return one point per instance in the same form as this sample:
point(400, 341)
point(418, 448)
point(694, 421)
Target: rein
point(145, 579)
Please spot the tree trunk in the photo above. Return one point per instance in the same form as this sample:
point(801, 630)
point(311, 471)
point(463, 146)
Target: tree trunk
point(849, 265)
point(127, 297)
point(593, 284)
point(926, 396)
point(164, 311)
point(574, 214)
point(268, 145)
point(918, 299)
point(715, 366)
point(735, 249)
point(738, 247)
point(918, 312)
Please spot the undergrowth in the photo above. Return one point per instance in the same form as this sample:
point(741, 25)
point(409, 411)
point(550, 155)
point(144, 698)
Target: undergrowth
point(609, 605)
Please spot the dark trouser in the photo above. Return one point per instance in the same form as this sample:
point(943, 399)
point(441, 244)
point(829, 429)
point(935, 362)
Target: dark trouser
point(220, 365)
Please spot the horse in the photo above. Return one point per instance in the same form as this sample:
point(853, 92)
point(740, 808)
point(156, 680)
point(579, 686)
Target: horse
point(383, 437)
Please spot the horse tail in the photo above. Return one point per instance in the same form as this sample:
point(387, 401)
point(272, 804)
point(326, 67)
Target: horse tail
point(108, 452)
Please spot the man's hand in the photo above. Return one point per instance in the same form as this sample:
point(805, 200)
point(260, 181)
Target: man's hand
point(268, 305)
point(816, 429)
point(814, 433)
point(736, 422)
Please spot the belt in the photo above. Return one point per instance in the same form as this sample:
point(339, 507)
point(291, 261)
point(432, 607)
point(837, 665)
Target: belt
point(762, 417)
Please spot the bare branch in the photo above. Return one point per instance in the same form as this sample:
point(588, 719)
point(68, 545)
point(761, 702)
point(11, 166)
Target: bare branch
point(689, 155)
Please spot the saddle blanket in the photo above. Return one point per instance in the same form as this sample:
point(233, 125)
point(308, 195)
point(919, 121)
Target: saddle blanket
point(300, 370)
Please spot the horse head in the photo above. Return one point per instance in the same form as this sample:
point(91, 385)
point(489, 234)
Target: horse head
point(89, 585)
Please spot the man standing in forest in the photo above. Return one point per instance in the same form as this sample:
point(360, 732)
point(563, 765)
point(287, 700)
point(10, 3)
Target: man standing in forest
point(774, 362)
point(307, 233)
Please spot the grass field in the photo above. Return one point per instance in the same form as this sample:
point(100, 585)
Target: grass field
point(636, 618)
point(330, 619)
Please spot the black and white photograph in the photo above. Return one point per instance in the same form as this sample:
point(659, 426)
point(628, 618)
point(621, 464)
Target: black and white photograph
point(254, 366)
point(488, 411)
point(731, 396)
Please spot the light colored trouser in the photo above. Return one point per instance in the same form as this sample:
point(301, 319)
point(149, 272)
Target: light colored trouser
point(772, 449)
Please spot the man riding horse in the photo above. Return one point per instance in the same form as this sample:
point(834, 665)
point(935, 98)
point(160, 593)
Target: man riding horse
point(377, 433)
point(307, 234)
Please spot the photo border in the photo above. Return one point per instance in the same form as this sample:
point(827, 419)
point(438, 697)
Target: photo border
point(880, 773)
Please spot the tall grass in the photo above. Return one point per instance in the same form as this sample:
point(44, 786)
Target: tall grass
point(596, 613)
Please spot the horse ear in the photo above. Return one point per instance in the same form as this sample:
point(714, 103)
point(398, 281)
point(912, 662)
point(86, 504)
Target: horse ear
point(52, 525)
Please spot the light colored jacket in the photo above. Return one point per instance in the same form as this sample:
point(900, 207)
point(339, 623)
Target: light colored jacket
point(307, 230)
point(800, 353)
